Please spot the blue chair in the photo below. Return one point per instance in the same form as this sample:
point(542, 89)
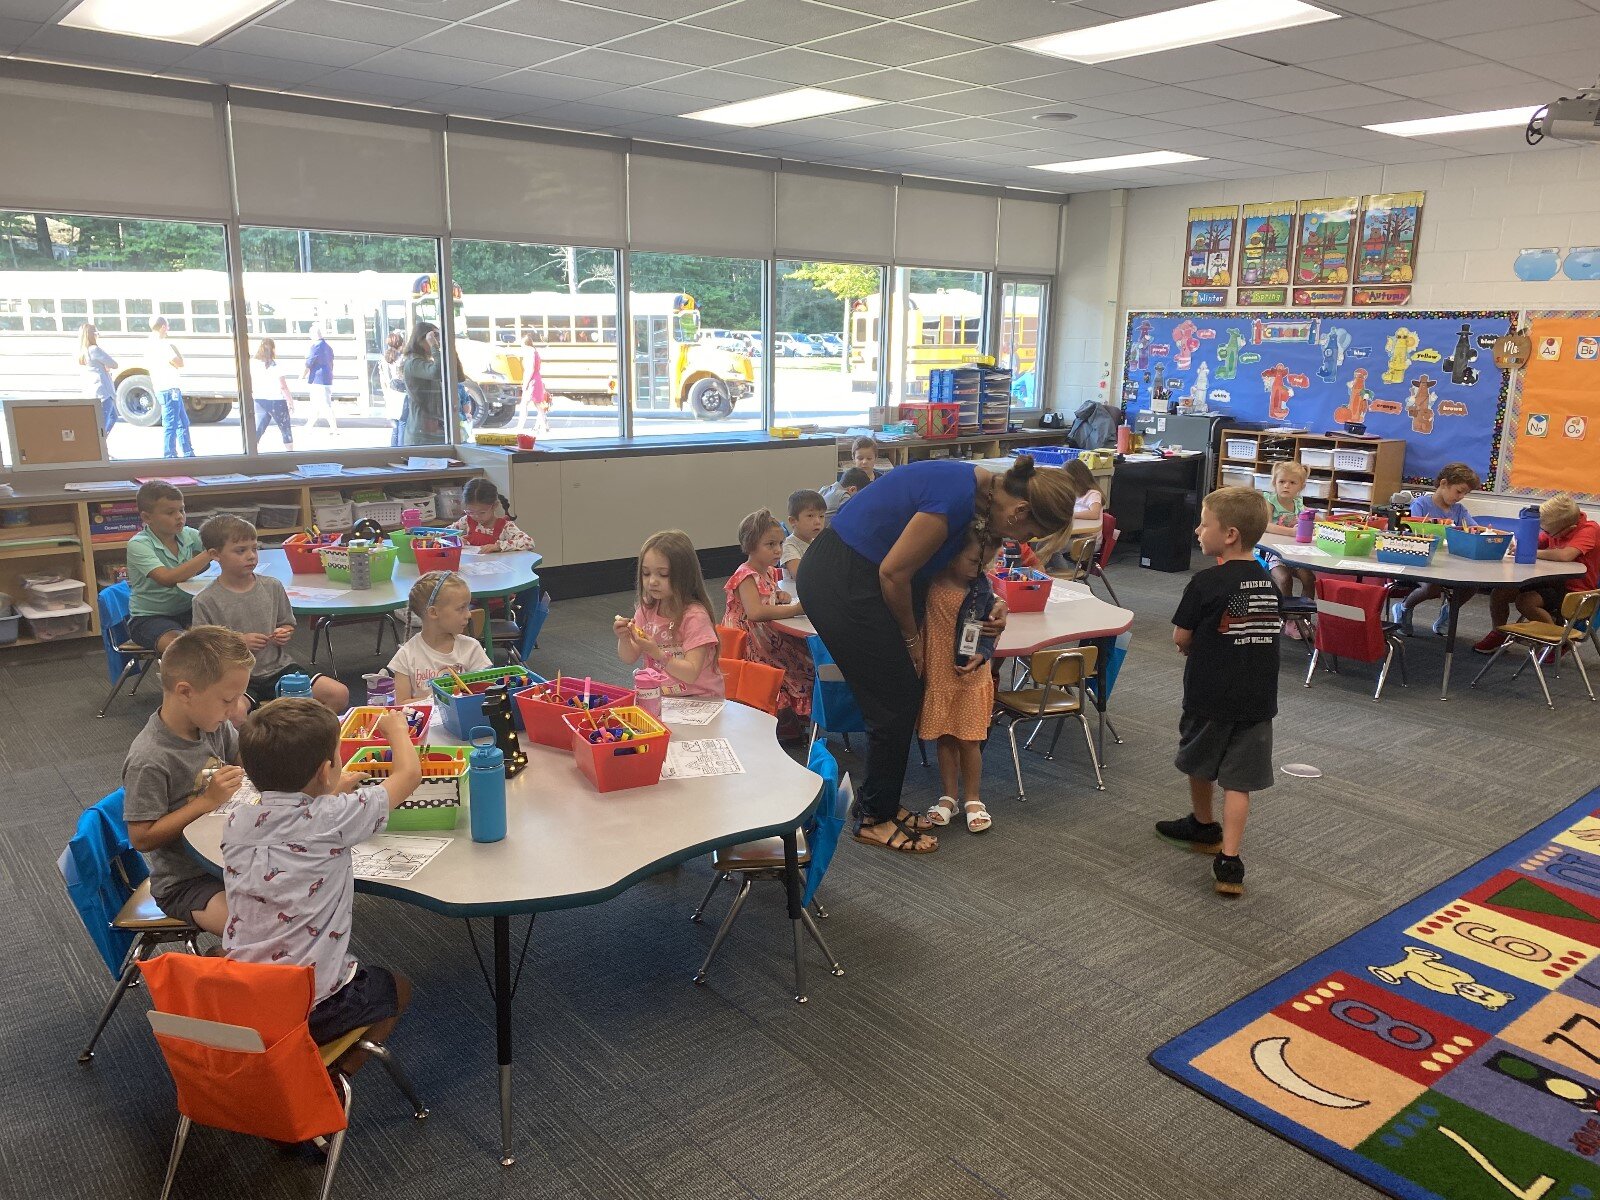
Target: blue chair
point(109, 884)
point(817, 839)
point(833, 704)
point(125, 658)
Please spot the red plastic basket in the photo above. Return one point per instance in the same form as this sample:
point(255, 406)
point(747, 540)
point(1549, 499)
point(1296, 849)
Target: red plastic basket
point(436, 555)
point(614, 766)
point(355, 730)
point(934, 420)
point(545, 707)
point(304, 553)
point(1023, 589)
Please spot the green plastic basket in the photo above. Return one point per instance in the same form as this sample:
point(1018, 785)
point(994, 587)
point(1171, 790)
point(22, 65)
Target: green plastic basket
point(1352, 541)
point(1433, 529)
point(336, 563)
point(438, 800)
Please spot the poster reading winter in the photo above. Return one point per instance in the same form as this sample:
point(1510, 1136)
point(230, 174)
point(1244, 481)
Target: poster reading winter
point(1327, 235)
point(1208, 249)
point(1389, 229)
point(1266, 242)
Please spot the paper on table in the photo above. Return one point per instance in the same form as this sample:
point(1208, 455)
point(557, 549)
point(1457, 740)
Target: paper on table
point(102, 485)
point(481, 566)
point(366, 470)
point(1299, 549)
point(311, 593)
point(279, 477)
point(233, 478)
point(418, 463)
point(678, 710)
point(698, 760)
point(319, 470)
point(1061, 595)
point(395, 856)
point(247, 794)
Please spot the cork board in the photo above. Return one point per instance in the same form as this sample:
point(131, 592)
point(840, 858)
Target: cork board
point(53, 433)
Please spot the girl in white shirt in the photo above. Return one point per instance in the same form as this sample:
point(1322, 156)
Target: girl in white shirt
point(269, 384)
point(443, 601)
point(1091, 503)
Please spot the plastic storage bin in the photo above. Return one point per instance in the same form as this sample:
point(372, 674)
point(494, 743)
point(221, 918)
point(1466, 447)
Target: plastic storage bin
point(279, 516)
point(245, 512)
point(1313, 457)
point(305, 553)
point(460, 714)
point(330, 510)
point(1354, 460)
point(47, 624)
point(1355, 541)
point(1240, 449)
point(613, 766)
point(1238, 477)
point(336, 562)
point(1486, 545)
point(1433, 529)
point(418, 499)
point(436, 804)
point(1317, 488)
point(8, 629)
point(385, 512)
point(436, 554)
point(1052, 456)
point(401, 540)
point(447, 502)
point(1404, 549)
point(1353, 489)
point(1261, 481)
point(356, 730)
point(1022, 588)
point(933, 421)
point(545, 707)
point(50, 593)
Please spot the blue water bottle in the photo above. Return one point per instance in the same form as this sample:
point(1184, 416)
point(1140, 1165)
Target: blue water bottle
point(486, 772)
point(294, 684)
point(1527, 537)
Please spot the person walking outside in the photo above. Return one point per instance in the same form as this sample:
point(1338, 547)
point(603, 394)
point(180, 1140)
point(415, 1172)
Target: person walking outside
point(164, 361)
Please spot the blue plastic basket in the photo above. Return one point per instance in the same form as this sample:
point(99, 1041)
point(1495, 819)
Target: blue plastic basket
point(460, 714)
point(1052, 456)
point(1488, 546)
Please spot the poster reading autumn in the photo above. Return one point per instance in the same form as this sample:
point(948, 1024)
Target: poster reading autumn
point(1208, 249)
point(1266, 240)
point(1389, 229)
point(1325, 241)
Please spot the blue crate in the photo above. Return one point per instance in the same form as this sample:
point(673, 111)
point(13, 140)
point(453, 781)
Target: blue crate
point(1051, 456)
point(461, 714)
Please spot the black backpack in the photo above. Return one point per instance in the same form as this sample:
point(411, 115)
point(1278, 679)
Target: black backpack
point(1093, 426)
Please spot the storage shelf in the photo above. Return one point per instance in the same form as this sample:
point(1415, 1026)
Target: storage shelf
point(27, 533)
point(1383, 479)
point(122, 543)
point(29, 640)
point(62, 548)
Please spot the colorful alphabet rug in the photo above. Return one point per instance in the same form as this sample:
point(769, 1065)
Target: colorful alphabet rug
point(1450, 1049)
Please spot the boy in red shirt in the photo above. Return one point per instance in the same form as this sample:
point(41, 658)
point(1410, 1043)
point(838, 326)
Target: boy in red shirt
point(1567, 535)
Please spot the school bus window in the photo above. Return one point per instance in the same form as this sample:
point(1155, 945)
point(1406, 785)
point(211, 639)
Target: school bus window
point(105, 308)
point(76, 307)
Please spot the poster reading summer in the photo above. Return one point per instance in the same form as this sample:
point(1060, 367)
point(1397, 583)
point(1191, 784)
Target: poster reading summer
point(1266, 241)
point(1208, 250)
point(1327, 236)
point(1389, 229)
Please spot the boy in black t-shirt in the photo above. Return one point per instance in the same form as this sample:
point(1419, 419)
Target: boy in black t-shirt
point(1227, 625)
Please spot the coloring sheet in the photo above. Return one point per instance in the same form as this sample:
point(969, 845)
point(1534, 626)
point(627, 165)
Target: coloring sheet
point(698, 760)
point(1065, 595)
point(480, 566)
point(395, 857)
point(311, 593)
point(246, 794)
point(683, 711)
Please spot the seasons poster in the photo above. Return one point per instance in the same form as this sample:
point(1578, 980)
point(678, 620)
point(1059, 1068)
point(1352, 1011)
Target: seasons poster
point(1266, 242)
point(1208, 248)
point(1389, 229)
point(1326, 238)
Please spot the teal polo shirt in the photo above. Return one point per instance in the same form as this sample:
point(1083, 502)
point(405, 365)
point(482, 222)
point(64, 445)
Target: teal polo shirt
point(147, 598)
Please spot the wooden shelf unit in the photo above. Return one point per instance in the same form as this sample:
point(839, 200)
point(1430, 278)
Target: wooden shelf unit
point(1378, 484)
point(973, 446)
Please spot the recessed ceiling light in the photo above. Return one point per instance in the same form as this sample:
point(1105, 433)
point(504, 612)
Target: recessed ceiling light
point(1195, 25)
point(784, 106)
point(192, 22)
point(1500, 118)
point(1055, 118)
point(1120, 162)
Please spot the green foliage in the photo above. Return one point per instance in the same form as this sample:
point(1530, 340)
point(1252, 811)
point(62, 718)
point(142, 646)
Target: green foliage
point(44, 242)
point(727, 290)
point(847, 281)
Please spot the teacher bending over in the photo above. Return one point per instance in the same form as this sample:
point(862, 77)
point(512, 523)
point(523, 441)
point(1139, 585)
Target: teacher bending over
point(864, 583)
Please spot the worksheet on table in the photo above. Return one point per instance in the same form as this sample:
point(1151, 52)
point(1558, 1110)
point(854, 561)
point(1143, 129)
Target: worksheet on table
point(678, 710)
point(700, 759)
point(395, 857)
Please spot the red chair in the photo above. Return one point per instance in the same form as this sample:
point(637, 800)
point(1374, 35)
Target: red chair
point(752, 683)
point(731, 641)
point(1351, 624)
point(1109, 533)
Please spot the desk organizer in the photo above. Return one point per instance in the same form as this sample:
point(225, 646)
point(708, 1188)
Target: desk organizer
point(336, 562)
point(401, 539)
point(613, 765)
point(934, 421)
point(460, 712)
point(1405, 550)
point(1023, 589)
point(436, 804)
point(1339, 539)
point(436, 554)
point(304, 552)
point(543, 708)
point(1485, 545)
point(357, 729)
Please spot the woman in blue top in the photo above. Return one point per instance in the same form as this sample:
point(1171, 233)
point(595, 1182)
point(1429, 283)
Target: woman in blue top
point(865, 581)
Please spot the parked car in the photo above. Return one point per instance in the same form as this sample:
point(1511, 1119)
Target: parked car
point(830, 344)
point(792, 345)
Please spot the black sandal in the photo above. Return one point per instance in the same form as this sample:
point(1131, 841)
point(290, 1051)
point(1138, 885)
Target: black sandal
point(913, 840)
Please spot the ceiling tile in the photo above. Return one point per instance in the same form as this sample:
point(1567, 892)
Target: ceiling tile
point(884, 8)
point(14, 32)
point(227, 66)
point(1317, 100)
point(569, 22)
point(1115, 128)
point(103, 49)
point(1308, 45)
point(1526, 39)
point(543, 85)
point(653, 102)
point(1191, 63)
point(1451, 19)
point(1003, 21)
point(894, 45)
point(1396, 60)
point(1482, 78)
point(895, 85)
point(477, 102)
point(370, 85)
point(800, 66)
point(611, 67)
point(789, 22)
point(36, 12)
point(992, 64)
point(1077, 83)
point(1569, 68)
point(1219, 112)
point(981, 102)
point(721, 85)
point(444, 10)
point(1272, 81)
point(1286, 128)
point(492, 46)
point(898, 116)
point(665, 10)
point(1377, 114)
point(1149, 100)
point(438, 68)
point(898, 139)
point(359, 23)
point(686, 44)
point(299, 47)
point(586, 113)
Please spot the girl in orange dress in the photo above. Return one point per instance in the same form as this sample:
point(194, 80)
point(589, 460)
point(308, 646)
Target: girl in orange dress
point(958, 690)
point(754, 601)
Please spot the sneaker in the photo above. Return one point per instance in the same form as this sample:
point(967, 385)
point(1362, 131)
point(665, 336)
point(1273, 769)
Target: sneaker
point(1491, 642)
point(1228, 875)
point(1201, 838)
point(1400, 618)
point(1441, 623)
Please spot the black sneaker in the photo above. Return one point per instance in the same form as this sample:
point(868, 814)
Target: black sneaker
point(1202, 839)
point(1228, 874)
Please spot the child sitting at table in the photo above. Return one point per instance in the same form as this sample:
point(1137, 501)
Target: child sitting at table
point(808, 515)
point(851, 481)
point(1566, 534)
point(443, 602)
point(958, 693)
point(672, 628)
point(163, 554)
point(1091, 500)
point(481, 526)
point(1285, 503)
point(755, 598)
point(1451, 486)
point(864, 457)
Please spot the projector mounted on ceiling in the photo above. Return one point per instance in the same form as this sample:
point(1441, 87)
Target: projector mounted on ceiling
point(1575, 120)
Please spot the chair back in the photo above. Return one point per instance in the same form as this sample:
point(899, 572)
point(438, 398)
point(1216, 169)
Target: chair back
point(833, 703)
point(534, 617)
point(752, 683)
point(113, 602)
point(732, 641)
point(1350, 619)
point(1578, 610)
point(1082, 555)
point(101, 870)
point(1109, 533)
point(284, 1092)
point(1063, 668)
point(822, 834)
point(478, 625)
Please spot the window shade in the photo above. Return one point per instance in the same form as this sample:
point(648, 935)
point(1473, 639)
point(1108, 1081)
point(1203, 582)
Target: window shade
point(683, 206)
point(820, 217)
point(1028, 235)
point(78, 149)
point(945, 229)
point(508, 188)
point(325, 172)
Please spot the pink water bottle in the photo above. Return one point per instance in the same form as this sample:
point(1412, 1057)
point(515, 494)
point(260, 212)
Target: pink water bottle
point(1303, 522)
point(411, 518)
point(647, 685)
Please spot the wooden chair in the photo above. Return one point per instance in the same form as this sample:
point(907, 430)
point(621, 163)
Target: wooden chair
point(752, 683)
point(1542, 640)
point(1057, 690)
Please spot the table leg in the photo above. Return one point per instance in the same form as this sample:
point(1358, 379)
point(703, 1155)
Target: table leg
point(502, 1030)
point(1101, 674)
point(791, 883)
point(1449, 641)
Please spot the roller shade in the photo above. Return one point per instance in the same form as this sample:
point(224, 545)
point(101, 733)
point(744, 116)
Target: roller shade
point(78, 149)
point(325, 172)
point(945, 229)
point(511, 189)
point(684, 206)
point(1028, 231)
point(820, 217)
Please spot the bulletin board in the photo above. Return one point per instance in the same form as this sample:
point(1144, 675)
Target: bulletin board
point(1553, 441)
point(1427, 378)
point(53, 433)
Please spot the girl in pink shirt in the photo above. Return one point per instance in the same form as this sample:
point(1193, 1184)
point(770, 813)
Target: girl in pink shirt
point(672, 628)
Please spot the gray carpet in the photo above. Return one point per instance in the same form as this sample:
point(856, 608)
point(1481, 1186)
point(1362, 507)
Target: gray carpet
point(988, 1039)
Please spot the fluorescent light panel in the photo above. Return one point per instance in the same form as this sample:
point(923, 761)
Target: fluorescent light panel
point(1121, 162)
point(191, 22)
point(784, 106)
point(1500, 118)
point(1194, 25)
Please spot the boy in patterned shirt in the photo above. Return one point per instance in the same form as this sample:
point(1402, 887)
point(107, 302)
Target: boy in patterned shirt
point(287, 866)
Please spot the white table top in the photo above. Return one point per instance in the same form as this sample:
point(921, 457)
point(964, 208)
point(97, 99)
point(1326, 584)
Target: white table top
point(487, 574)
point(1083, 616)
point(1445, 568)
point(567, 844)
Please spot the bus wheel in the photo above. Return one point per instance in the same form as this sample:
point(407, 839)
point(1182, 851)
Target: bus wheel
point(210, 412)
point(136, 401)
point(496, 415)
point(710, 400)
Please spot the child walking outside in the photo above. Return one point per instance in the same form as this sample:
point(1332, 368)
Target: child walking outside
point(481, 525)
point(755, 599)
point(958, 689)
point(443, 602)
point(1227, 626)
point(672, 628)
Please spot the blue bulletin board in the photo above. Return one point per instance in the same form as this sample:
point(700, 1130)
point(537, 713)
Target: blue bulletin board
point(1428, 378)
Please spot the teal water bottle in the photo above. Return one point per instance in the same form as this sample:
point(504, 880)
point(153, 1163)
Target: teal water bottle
point(294, 684)
point(486, 773)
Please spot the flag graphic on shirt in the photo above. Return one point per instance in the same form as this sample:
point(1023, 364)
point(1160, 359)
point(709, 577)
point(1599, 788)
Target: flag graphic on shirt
point(1251, 614)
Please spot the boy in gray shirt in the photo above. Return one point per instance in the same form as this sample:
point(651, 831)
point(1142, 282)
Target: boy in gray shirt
point(256, 606)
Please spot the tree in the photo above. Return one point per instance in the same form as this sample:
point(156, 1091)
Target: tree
point(848, 281)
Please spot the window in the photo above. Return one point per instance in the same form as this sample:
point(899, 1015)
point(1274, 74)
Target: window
point(696, 344)
point(63, 274)
point(538, 332)
point(936, 321)
point(824, 342)
point(1024, 312)
point(331, 304)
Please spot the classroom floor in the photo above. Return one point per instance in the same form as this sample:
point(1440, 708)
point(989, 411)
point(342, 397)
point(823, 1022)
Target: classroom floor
point(988, 1040)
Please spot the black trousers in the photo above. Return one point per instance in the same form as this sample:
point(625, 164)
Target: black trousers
point(844, 599)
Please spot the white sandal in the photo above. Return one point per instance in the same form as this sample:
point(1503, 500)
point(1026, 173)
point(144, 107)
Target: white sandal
point(978, 818)
point(943, 812)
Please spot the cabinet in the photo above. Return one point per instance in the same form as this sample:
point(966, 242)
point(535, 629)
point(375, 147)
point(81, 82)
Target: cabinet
point(1345, 474)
